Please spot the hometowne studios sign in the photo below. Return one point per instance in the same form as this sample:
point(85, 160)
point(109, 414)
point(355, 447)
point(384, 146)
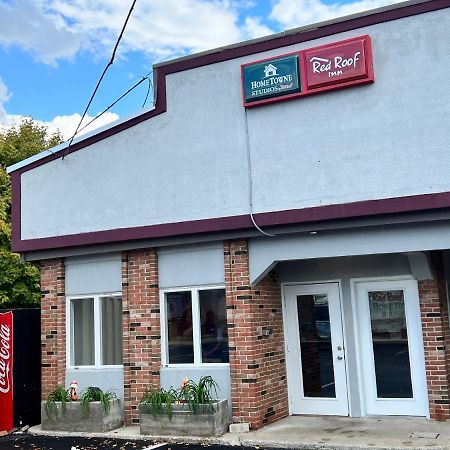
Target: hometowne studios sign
point(328, 67)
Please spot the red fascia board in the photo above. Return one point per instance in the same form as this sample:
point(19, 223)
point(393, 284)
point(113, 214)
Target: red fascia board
point(243, 222)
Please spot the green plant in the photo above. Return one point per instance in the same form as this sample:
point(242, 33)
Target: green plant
point(94, 394)
point(59, 394)
point(199, 395)
point(158, 402)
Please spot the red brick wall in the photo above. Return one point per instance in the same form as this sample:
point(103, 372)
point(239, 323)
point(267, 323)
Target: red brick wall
point(53, 325)
point(257, 361)
point(141, 327)
point(436, 339)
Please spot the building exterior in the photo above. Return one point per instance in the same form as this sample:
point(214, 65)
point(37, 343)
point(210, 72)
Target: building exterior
point(291, 245)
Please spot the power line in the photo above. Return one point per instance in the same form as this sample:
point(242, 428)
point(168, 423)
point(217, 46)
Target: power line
point(110, 63)
point(146, 77)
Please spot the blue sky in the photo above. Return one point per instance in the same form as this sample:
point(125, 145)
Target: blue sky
point(53, 51)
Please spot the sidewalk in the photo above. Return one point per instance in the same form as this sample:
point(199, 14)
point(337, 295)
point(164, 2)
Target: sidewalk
point(316, 432)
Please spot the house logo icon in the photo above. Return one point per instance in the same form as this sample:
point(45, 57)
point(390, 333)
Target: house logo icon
point(270, 71)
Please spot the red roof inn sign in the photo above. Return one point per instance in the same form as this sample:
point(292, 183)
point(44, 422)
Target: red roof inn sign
point(325, 68)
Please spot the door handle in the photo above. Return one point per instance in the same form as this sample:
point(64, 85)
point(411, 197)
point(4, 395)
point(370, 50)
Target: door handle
point(340, 357)
point(339, 347)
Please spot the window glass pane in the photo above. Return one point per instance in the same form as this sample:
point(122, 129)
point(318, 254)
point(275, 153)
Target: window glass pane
point(315, 345)
point(390, 344)
point(179, 327)
point(111, 310)
point(82, 332)
point(213, 314)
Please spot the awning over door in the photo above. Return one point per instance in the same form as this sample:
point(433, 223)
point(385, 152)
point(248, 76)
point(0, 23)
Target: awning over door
point(411, 239)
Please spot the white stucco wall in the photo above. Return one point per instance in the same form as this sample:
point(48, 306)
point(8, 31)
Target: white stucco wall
point(383, 140)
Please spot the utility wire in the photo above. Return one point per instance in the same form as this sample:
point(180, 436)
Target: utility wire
point(111, 61)
point(250, 178)
point(146, 77)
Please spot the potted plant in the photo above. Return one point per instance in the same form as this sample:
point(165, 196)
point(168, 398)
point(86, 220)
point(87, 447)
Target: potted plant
point(94, 411)
point(193, 410)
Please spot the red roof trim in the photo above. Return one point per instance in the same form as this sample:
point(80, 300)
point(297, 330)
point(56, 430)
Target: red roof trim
point(243, 222)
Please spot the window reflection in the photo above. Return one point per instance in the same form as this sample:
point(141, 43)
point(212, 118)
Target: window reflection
point(390, 344)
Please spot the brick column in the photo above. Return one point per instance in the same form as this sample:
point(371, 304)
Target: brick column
point(53, 325)
point(141, 327)
point(436, 339)
point(256, 340)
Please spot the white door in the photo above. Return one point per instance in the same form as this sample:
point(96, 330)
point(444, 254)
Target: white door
point(391, 345)
point(315, 345)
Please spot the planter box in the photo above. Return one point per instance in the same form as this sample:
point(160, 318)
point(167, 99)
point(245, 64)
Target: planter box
point(185, 423)
point(74, 420)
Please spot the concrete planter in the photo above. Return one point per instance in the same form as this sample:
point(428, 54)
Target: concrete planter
point(184, 423)
point(74, 420)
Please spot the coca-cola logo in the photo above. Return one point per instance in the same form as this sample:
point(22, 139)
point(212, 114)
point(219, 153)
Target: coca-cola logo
point(5, 358)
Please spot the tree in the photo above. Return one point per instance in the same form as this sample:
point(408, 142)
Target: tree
point(19, 281)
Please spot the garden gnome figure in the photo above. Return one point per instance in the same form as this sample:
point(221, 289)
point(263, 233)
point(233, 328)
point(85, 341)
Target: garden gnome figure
point(73, 390)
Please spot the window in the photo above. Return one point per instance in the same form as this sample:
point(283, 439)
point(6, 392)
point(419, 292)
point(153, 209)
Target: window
point(95, 330)
point(194, 322)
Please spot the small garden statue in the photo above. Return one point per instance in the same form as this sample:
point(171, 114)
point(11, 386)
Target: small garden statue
point(73, 390)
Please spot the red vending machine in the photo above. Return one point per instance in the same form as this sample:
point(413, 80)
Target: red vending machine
point(6, 371)
point(20, 368)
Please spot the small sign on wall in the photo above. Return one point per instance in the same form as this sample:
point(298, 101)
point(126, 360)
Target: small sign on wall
point(271, 78)
point(324, 68)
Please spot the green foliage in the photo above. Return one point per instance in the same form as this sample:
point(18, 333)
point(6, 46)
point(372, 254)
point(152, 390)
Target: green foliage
point(93, 394)
point(19, 282)
point(59, 394)
point(158, 402)
point(197, 396)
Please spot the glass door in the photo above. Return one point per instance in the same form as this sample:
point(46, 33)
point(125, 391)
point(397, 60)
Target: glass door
point(391, 348)
point(316, 364)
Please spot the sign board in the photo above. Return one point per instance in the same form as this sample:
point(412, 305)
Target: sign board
point(311, 71)
point(271, 78)
point(6, 363)
point(336, 63)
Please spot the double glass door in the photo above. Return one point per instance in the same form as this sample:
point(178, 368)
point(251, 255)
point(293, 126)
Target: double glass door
point(388, 334)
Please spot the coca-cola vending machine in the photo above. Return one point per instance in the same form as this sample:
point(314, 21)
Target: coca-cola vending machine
point(20, 368)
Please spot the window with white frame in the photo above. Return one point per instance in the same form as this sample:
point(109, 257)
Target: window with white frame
point(95, 330)
point(194, 323)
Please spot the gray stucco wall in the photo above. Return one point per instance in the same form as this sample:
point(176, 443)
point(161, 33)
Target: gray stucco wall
point(105, 379)
point(344, 269)
point(191, 265)
point(93, 274)
point(383, 140)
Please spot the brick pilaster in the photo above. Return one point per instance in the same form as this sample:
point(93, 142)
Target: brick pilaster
point(141, 327)
point(436, 339)
point(256, 340)
point(53, 325)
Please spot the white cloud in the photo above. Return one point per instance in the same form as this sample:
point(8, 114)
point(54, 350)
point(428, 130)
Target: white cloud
point(159, 27)
point(295, 13)
point(5, 95)
point(254, 28)
point(43, 33)
point(66, 125)
point(54, 29)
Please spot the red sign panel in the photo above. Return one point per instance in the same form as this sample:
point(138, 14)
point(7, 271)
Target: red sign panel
point(6, 363)
point(338, 63)
point(326, 68)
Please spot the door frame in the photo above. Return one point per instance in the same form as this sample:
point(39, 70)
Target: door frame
point(289, 372)
point(359, 363)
